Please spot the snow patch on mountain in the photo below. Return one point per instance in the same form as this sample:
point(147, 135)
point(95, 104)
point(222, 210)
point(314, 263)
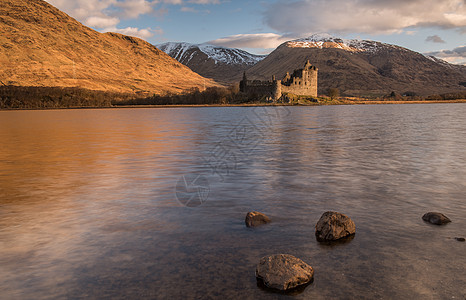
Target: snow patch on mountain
point(328, 41)
point(224, 55)
point(439, 61)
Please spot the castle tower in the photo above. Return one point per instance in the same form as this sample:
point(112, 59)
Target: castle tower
point(313, 71)
point(276, 89)
point(243, 84)
point(307, 65)
point(307, 73)
point(287, 77)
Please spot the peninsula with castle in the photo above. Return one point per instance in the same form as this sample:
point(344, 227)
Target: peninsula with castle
point(303, 82)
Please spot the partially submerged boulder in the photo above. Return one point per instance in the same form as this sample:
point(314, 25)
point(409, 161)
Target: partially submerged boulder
point(283, 272)
point(333, 226)
point(254, 218)
point(436, 218)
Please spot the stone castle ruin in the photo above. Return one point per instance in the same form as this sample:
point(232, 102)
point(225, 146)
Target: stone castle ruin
point(303, 82)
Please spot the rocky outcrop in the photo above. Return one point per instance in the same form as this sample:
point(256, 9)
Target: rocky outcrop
point(254, 218)
point(283, 272)
point(333, 226)
point(436, 218)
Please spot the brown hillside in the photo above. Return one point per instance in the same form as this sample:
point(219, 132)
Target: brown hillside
point(42, 46)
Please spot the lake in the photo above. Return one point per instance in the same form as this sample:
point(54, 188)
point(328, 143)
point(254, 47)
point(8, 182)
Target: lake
point(150, 203)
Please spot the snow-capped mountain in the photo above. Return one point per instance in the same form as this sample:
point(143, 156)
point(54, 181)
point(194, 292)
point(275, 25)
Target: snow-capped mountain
point(324, 40)
point(220, 63)
point(184, 52)
point(362, 67)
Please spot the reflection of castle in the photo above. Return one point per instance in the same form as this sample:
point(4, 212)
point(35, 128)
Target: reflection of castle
point(302, 82)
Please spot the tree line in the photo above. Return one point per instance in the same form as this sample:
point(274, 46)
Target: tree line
point(26, 97)
point(21, 97)
point(30, 97)
point(211, 95)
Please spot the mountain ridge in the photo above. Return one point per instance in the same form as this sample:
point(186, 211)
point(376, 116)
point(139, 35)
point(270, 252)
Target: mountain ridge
point(362, 67)
point(217, 53)
point(323, 41)
point(222, 64)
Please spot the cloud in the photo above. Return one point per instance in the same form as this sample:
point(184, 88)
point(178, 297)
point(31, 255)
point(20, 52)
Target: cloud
point(456, 56)
point(193, 10)
point(92, 10)
point(253, 41)
point(83, 9)
point(204, 1)
point(89, 12)
point(302, 17)
point(133, 31)
point(104, 14)
point(188, 9)
point(173, 2)
point(133, 8)
point(435, 39)
point(101, 22)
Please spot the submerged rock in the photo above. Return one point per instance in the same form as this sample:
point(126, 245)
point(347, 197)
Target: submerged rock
point(436, 218)
point(333, 226)
point(283, 272)
point(254, 218)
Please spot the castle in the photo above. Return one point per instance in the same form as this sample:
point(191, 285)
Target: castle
point(302, 82)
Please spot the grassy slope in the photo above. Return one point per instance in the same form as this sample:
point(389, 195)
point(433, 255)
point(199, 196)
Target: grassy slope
point(42, 46)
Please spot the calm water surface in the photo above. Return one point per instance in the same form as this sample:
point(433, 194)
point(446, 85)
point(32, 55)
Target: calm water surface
point(89, 207)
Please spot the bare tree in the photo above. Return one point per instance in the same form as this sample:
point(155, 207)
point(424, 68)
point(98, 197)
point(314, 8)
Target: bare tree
point(333, 93)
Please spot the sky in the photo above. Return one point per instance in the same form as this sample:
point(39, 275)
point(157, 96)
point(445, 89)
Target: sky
point(434, 27)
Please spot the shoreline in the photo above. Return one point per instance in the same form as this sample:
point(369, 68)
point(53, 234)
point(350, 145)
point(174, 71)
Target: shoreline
point(343, 102)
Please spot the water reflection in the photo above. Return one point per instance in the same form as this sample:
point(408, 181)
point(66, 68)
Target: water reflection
point(88, 206)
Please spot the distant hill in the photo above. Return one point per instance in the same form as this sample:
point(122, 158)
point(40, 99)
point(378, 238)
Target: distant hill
point(363, 67)
point(222, 64)
point(42, 46)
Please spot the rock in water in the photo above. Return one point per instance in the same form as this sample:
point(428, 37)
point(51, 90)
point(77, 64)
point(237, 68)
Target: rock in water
point(436, 218)
point(254, 218)
point(333, 226)
point(283, 272)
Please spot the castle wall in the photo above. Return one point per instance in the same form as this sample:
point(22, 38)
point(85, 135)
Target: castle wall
point(306, 86)
point(303, 82)
point(263, 88)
